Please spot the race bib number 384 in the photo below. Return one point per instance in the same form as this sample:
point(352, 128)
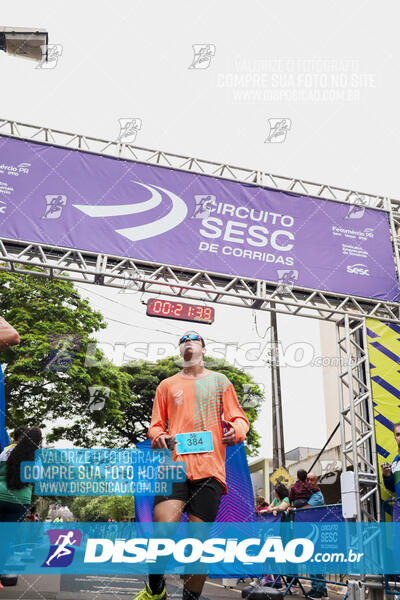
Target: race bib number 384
point(194, 443)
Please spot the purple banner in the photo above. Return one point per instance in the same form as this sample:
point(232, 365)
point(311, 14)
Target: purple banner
point(89, 202)
point(320, 514)
point(270, 517)
point(236, 506)
point(396, 511)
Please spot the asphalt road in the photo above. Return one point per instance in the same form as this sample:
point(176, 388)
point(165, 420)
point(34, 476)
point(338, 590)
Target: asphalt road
point(95, 587)
point(117, 587)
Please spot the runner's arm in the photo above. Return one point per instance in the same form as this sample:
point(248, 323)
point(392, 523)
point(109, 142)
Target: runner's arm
point(234, 414)
point(159, 416)
point(8, 335)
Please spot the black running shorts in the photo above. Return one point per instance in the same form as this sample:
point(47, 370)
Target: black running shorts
point(201, 497)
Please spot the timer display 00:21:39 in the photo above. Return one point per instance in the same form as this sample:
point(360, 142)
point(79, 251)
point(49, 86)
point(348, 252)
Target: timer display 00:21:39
point(180, 311)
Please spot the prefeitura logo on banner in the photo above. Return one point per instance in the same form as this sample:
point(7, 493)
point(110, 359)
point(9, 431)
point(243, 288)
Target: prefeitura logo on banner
point(15, 170)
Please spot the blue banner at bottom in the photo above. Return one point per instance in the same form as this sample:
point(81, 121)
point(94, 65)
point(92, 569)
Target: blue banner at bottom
point(217, 549)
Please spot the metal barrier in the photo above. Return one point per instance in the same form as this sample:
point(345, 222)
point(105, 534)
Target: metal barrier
point(327, 513)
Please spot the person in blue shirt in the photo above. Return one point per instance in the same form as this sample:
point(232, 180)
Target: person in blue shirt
point(316, 499)
point(318, 588)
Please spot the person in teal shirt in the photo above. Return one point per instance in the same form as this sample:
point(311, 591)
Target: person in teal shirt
point(15, 495)
point(8, 337)
point(280, 503)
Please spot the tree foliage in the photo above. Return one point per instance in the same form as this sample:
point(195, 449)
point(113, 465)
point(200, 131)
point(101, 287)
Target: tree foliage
point(48, 314)
point(145, 377)
point(38, 392)
point(102, 508)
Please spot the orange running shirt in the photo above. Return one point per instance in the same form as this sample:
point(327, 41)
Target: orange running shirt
point(197, 405)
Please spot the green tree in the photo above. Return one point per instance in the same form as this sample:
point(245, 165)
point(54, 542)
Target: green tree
point(55, 325)
point(37, 392)
point(102, 508)
point(145, 377)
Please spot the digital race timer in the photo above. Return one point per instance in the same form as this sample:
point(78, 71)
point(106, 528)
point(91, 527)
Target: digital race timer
point(180, 311)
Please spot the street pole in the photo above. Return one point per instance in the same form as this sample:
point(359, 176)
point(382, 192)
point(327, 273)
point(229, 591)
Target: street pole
point(278, 455)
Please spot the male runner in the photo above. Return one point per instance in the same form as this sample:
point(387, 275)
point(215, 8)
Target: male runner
point(195, 399)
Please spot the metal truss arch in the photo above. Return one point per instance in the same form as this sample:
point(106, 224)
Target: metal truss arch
point(347, 311)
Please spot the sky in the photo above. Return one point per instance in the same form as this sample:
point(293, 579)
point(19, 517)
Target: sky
point(330, 69)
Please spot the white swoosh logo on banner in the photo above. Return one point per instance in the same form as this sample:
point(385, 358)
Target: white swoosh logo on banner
point(116, 210)
point(141, 232)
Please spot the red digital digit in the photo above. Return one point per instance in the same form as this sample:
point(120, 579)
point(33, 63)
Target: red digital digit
point(157, 306)
point(167, 306)
point(199, 312)
point(207, 313)
point(178, 309)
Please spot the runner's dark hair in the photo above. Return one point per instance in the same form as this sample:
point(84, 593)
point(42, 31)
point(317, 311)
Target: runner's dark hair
point(24, 451)
point(18, 431)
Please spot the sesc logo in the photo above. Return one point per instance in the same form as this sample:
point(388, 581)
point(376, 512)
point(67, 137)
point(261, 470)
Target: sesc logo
point(358, 270)
point(159, 196)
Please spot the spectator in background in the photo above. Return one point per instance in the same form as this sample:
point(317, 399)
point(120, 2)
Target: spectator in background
point(16, 496)
point(59, 519)
point(299, 495)
point(301, 491)
point(316, 499)
point(16, 437)
point(261, 508)
point(281, 501)
point(261, 504)
point(318, 583)
point(391, 473)
point(8, 337)
point(279, 504)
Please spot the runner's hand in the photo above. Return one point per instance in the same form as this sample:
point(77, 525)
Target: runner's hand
point(230, 436)
point(163, 440)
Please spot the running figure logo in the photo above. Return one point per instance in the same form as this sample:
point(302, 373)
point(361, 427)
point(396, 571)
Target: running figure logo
point(278, 129)
point(61, 550)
